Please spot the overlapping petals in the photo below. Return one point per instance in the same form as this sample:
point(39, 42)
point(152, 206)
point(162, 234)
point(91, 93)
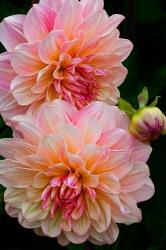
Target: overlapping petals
point(69, 50)
point(75, 174)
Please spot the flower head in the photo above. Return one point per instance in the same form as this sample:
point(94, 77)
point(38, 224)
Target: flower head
point(75, 174)
point(62, 49)
point(147, 124)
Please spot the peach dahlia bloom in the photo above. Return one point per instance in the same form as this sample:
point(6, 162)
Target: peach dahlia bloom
point(61, 49)
point(75, 174)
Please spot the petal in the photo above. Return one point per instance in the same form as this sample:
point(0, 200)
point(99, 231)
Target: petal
point(109, 183)
point(12, 212)
point(23, 222)
point(107, 237)
point(25, 60)
point(93, 154)
point(32, 212)
point(71, 136)
point(15, 149)
point(145, 192)
point(34, 194)
point(50, 147)
point(11, 31)
point(21, 177)
point(30, 132)
point(8, 105)
point(93, 209)
point(124, 48)
point(109, 117)
point(51, 226)
point(81, 226)
point(75, 238)
point(105, 217)
point(90, 6)
point(40, 180)
point(115, 20)
point(90, 129)
point(52, 113)
point(39, 22)
point(21, 89)
point(49, 48)
point(135, 178)
point(141, 151)
point(72, 13)
point(15, 197)
point(55, 4)
point(6, 72)
point(62, 240)
point(125, 210)
point(44, 79)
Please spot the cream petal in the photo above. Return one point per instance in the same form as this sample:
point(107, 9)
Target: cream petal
point(109, 183)
point(75, 238)
point(39, 22)
point(11, 31)
point(105, 217)
point(27, 224)
point(34, 194)
point(62, 240)
point(32, 212)
point(51, 226)
point(15, 197)
point(93, 209)
point(11, 211)
point(40, 180)
point(21, 177)
point(81, 226)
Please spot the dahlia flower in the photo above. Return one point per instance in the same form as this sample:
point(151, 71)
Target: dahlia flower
point(69, 50)
point(74, 174)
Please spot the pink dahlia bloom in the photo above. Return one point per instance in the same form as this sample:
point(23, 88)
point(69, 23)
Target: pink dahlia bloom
point(61, 49)
point(75, 174)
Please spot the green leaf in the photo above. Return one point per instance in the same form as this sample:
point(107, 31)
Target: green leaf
point(143, 97)
point(126, 107)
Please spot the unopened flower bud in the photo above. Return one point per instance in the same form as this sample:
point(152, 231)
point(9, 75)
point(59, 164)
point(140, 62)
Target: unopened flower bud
point(147, 124)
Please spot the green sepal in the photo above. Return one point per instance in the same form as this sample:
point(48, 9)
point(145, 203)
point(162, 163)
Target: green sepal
point(143, 98)
point(154, 103)
point(126, 107)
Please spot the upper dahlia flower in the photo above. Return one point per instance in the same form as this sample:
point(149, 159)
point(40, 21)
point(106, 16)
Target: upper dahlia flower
point(75, 174)
point(61, 49)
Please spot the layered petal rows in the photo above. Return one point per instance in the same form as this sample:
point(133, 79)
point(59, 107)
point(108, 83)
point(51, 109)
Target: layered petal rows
point(66, 49)
point(75, 174)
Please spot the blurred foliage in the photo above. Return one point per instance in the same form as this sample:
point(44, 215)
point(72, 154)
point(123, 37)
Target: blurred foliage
point(145, 26)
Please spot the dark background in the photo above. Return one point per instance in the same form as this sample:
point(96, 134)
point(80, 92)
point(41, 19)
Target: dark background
point(145, 25)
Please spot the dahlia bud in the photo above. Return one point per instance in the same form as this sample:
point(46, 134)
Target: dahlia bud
point(147, 122)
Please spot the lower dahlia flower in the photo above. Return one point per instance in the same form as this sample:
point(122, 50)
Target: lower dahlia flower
point(65, 49)
point(75, 174)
